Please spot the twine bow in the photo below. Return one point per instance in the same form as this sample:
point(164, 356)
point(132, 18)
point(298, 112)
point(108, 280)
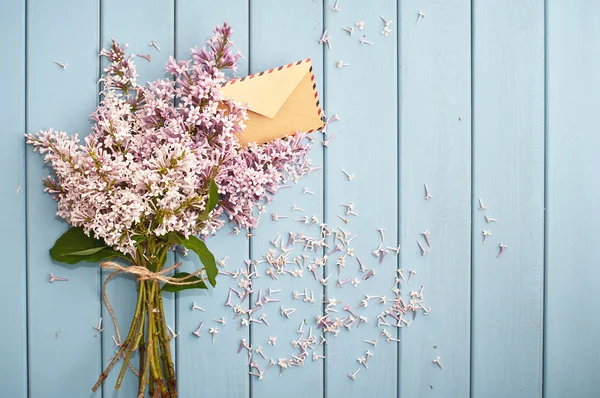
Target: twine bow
point(144, 274)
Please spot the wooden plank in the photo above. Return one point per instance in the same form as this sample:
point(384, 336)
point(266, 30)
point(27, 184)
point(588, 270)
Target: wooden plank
point(364, 95)
point(206, 369)
point(573, 88)
point(508, 174)
point(280, 33)
point(13, 370)
point(64, 349)
point(155, 22)
point(435, 149)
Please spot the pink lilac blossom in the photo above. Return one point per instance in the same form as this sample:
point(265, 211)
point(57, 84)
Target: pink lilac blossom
point(145, 167)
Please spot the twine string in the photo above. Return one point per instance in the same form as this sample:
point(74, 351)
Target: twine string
point(144, 274)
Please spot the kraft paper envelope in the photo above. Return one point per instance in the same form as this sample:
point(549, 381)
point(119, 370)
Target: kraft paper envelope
point(281, 102)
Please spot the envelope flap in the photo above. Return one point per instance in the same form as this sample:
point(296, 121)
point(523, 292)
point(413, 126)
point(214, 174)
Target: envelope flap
point(266, 92)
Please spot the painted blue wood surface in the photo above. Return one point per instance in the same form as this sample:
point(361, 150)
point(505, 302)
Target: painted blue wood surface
point(405, 120)
point(366, 146)
point(573, 200)
point(12, 193)
point(277, 24)
point(508, 175)
point(435, 149)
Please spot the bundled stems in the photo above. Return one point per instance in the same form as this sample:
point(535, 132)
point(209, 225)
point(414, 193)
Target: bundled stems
point(125, 345)
point(149, 335)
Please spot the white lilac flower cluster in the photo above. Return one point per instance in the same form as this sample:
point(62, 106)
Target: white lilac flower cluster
point(145, 168)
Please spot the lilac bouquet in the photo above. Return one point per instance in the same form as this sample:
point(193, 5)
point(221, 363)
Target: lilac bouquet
point(161, 167)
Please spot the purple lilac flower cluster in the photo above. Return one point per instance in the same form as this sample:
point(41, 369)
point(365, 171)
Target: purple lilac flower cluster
point(145, 168)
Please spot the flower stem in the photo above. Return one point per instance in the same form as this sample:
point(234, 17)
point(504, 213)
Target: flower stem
point(153, 343)
point(165, 346)
point(151, 334)
point(139, 330)
point(145, 370)
point(104, 374)
point(140, 335)
point(124, 346)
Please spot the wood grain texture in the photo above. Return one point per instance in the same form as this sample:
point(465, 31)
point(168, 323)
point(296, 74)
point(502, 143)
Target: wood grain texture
point(405, 108)
point(156, 23)
point(64, 349)
point(573, 200)
point(364, 95)
point(205, 369)
point(435, 149)
point(13, 334)
point(508, 173)
point(280, 33)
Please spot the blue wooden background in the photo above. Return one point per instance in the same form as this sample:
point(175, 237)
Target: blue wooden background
point(489, 99)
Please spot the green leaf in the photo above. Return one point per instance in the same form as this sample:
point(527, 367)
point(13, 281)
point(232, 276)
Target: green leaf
point(88, 251)
point(138, 238)
point(75, 246)
point(177, 288)
point(174, 238)
point(206, 257)
point(213, 199)
point(213, 195)
point(198, 247)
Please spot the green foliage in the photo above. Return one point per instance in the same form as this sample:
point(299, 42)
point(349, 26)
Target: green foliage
point(177, 288)
point(199, 247)
point(75, 246)
point(213, 199)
